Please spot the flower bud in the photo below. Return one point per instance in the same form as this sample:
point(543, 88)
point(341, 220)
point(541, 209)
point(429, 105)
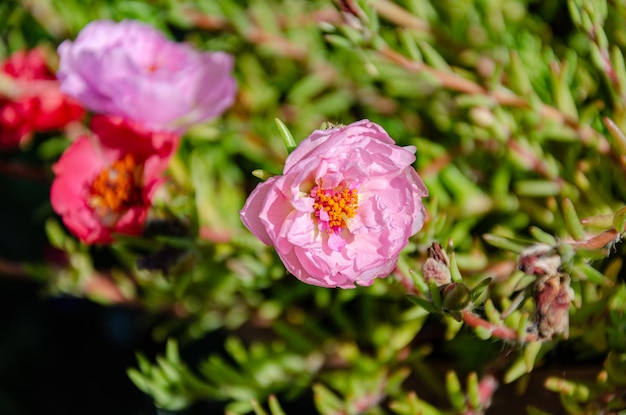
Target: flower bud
point(552, 295)
point(456, 296)
point(539, 260)
point(437, 266)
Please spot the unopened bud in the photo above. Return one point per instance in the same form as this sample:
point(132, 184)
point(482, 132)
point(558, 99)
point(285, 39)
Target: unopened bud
point(437, 266)
point(456, 296)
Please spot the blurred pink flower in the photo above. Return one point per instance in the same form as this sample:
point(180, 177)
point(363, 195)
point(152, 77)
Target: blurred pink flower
point(132, 70)
point(31, 101)
point(105, 182)
point(344, 208)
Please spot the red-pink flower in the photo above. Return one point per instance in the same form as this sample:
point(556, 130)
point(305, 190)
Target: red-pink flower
point(105, 182)
point(31, 101)
point(344, 208)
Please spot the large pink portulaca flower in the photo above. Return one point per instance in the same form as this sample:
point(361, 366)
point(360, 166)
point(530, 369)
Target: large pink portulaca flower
point(132, 70)
point(344, 208)
point(32, 101)
point(105, 182)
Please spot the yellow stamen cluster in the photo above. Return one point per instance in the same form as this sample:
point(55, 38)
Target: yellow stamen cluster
point(340, 206)
point(117, 187)
point(153, 67)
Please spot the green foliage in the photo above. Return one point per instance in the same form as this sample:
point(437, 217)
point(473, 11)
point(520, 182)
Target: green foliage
point(518, 113)
point(256, 373)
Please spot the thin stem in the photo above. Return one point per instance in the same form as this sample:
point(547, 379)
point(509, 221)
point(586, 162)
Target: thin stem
point(22, 170)
point(457, 83)
point(399, 16)
point(598, 241)
point(12, 269)
point(501, 332)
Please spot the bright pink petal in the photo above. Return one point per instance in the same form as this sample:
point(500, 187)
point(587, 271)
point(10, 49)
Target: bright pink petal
point(81, 162)
point(250, 214)
point(71, 193)
point(361, 244)
point(132, 70)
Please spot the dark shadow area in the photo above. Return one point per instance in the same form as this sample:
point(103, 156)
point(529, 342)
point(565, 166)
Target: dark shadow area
point(68, 356)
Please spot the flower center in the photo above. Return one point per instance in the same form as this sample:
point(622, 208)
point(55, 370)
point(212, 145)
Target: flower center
point(117, 187)
point(153, 67)
point(333, 208)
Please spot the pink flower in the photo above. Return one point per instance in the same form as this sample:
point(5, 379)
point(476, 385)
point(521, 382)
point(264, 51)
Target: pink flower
point(132, 70)
point(32, 101)
point(344, 208)
point(104, 183)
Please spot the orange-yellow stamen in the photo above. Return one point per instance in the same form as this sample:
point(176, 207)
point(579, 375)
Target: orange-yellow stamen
point(117, 187)
point(153, 67)
point(339, 206)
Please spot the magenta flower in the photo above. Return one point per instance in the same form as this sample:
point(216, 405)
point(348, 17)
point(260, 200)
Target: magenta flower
point(132, 70)
point(344, 208)
point(105, 182)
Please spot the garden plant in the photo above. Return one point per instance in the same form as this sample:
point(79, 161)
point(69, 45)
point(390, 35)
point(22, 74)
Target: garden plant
point(368, 206)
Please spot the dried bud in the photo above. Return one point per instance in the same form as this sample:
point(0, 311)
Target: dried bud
point(540, 260)
point(437, 266)
point(551, 291)
point(552, 295)
point(456, 296)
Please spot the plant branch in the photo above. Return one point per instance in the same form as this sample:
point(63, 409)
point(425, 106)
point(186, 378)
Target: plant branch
point(501, 332)
point(457, 83)
point(400, 16)
point(21, 170)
